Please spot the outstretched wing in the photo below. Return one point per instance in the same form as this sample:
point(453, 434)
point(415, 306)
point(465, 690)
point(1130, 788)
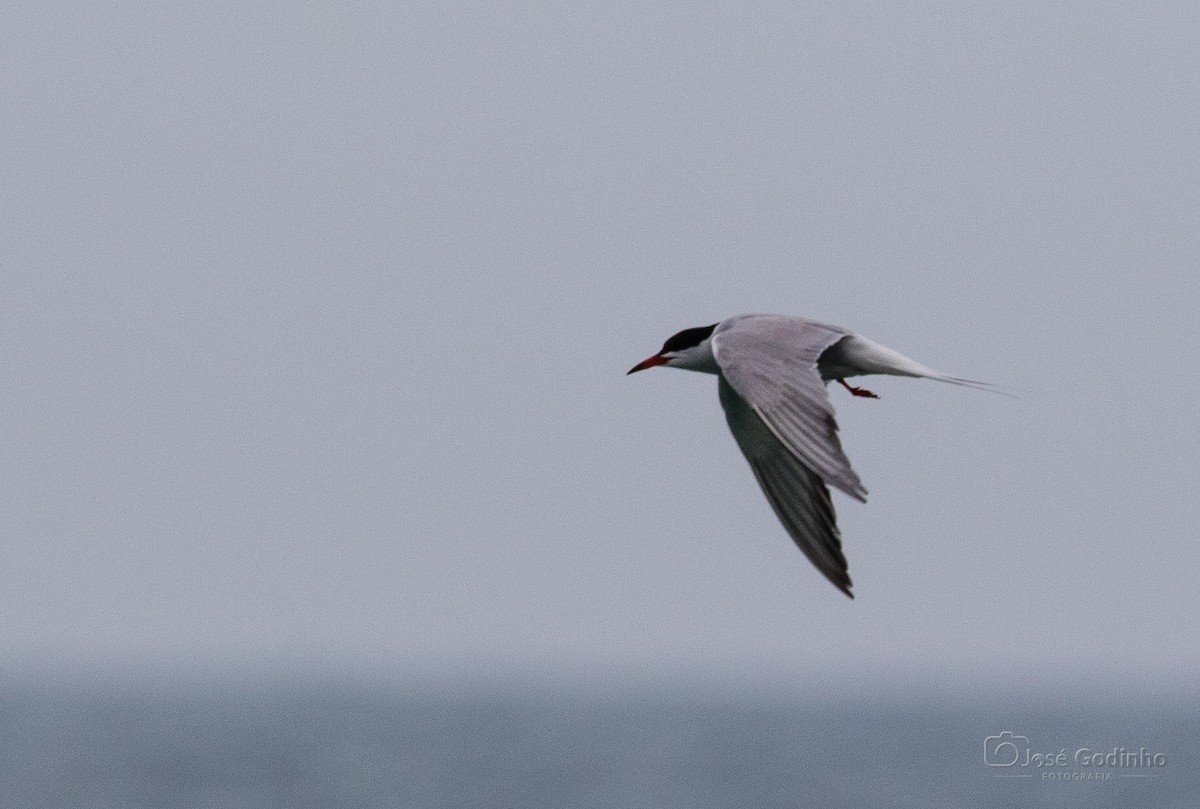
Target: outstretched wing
point(770, 362)
point(797, 494)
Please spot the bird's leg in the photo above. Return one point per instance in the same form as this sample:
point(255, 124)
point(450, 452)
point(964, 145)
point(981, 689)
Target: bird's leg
point(858, 391)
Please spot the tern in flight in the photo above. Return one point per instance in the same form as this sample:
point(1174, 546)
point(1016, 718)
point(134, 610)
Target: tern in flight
point(771, 376)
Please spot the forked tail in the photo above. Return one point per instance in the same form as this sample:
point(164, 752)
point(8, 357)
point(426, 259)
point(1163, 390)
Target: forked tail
point(971, 383)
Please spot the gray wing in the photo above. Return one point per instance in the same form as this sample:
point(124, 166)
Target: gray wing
point(797, 494)
point(771, 363)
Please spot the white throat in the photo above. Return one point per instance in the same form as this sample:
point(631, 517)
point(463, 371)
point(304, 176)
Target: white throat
point(696, 358)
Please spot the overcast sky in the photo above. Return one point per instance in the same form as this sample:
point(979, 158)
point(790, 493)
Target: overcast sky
point(314, 322)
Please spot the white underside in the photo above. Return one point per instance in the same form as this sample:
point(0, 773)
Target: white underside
point(857, 356)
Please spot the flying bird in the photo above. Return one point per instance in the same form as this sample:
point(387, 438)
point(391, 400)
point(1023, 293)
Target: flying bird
point(771, 376)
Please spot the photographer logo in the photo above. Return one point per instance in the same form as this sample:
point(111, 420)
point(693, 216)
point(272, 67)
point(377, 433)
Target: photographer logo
point(1004, 749)
point(1015, 757)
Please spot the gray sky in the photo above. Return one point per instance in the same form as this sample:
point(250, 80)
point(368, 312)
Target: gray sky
point(314, 321)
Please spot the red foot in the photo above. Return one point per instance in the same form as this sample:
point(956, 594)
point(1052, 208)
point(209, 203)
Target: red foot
point(858, 391)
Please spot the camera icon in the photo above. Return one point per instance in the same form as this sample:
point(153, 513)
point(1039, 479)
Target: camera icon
point(1004, 750)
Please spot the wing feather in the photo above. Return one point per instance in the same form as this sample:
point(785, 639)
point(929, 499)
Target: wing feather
point(771, 363)
point(797, 494)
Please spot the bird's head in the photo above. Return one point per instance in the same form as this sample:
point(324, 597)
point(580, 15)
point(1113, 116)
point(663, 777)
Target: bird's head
point(690, 349)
